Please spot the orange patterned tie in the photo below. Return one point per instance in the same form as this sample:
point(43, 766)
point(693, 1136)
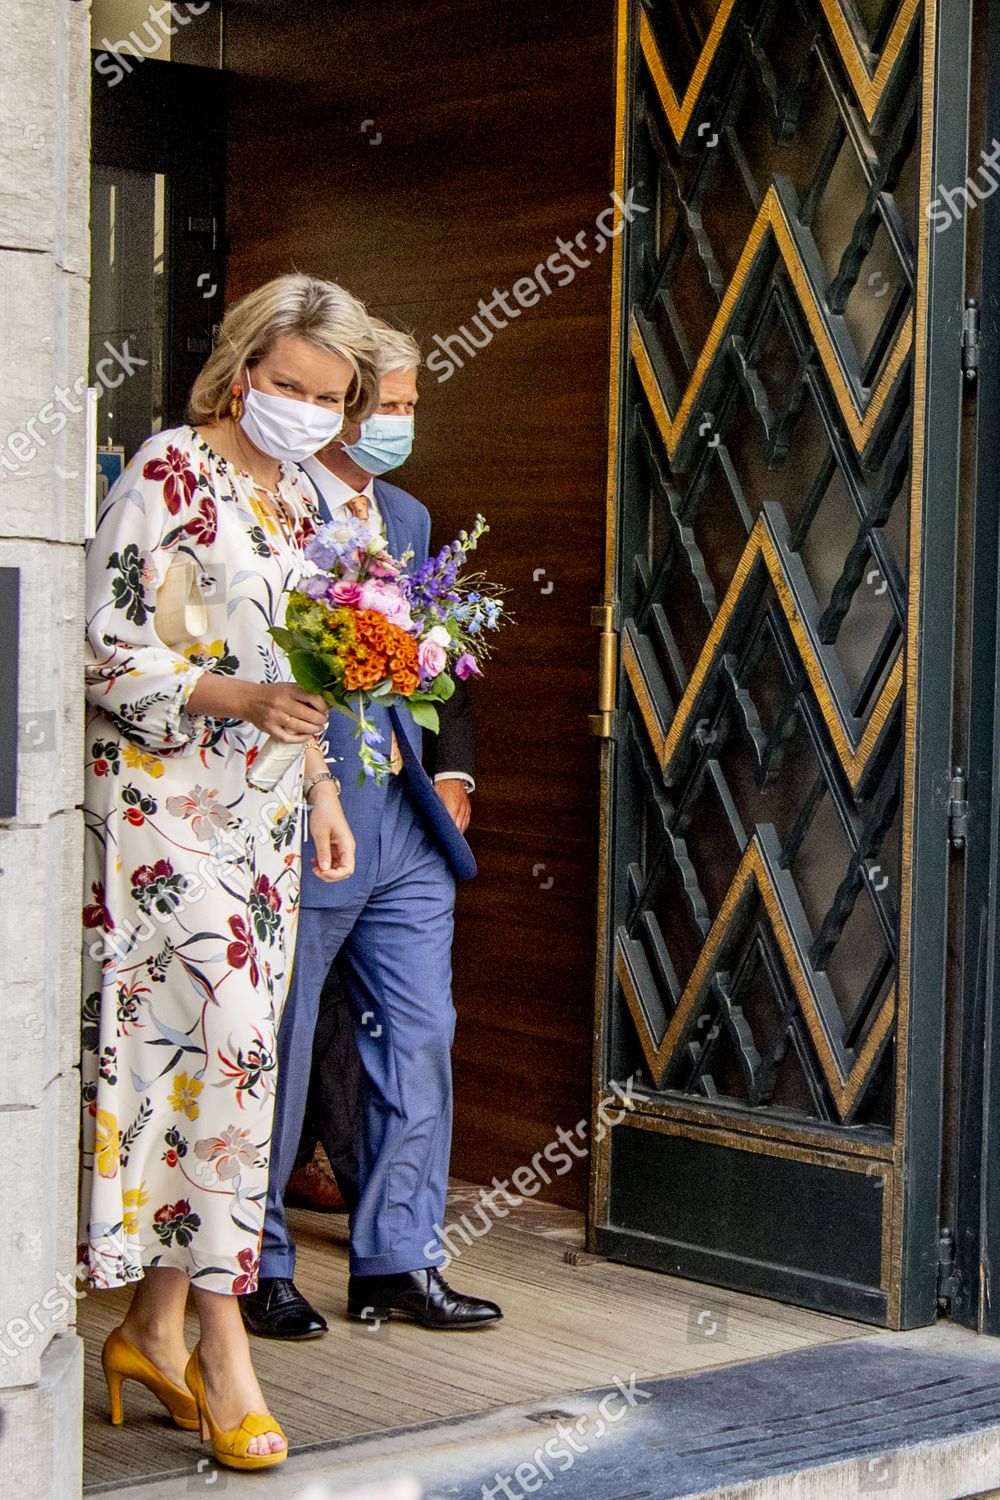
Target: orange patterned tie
point(359, 506)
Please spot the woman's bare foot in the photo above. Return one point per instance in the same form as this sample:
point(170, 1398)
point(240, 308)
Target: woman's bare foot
point(163, 1345)
point(231, 1386)
point(154, 1323)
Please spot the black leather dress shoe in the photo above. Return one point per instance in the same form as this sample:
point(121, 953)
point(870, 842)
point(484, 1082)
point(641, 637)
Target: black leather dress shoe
point(278, 1310)
point(422, 1295)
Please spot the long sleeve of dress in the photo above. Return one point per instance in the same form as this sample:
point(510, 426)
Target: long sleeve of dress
point(162, 506)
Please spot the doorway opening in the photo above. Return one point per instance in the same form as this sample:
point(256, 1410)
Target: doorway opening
point(731, 862)
point(432, 163)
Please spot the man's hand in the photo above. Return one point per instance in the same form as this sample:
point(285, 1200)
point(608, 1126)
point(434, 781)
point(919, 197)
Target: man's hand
point(457, 800)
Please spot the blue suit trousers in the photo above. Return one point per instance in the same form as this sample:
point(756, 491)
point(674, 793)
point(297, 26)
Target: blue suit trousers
point(392, 944)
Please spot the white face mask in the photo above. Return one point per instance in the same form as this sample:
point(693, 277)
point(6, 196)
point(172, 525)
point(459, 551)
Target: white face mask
point(285, 428)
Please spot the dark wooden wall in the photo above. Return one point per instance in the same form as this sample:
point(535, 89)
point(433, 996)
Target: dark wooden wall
point(489, 133)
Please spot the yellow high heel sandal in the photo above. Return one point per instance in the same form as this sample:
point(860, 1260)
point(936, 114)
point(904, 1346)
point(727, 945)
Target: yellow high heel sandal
point(123, 1361)
point(230, 1447)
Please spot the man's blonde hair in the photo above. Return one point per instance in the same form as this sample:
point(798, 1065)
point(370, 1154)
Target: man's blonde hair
point(290, 306)
point(397, 350)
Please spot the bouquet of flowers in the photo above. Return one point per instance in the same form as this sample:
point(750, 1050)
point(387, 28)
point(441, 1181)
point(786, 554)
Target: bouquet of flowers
point(361, 630)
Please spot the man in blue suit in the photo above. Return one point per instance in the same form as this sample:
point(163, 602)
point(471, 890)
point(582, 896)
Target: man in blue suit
point(333, 1101)
point(389, 927)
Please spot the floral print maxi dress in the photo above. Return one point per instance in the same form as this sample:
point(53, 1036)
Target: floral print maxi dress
point(191, 874)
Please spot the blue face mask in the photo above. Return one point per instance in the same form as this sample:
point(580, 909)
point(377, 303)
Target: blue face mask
point(384, 444)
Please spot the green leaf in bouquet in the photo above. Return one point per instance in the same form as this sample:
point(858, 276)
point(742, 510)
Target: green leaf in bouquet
point(308, 672)
point(440, 689)
point(335, 701)
point(334, 665)
point(424, 714)
point(286, 639)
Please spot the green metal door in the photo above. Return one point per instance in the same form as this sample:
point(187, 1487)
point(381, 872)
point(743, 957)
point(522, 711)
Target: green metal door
point(778, 645)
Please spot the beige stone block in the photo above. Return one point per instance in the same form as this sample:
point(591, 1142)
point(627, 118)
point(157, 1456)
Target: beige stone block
point(29, 126)
point(41, 890)
point(69, 483)
point(66, 943)
point(42, 414)
point(41, 1457)
point(66, 1183)
point(33, 1302)
point(50, 1301)
point(39, 981)
point(45, 130)
point(73, 245)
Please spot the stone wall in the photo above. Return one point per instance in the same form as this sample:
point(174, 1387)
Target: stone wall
point(44, 268)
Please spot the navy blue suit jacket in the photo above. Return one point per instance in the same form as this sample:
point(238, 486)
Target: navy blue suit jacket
point(407, 524)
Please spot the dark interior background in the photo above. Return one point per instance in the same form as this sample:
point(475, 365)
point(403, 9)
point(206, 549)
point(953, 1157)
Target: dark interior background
point(424, 156)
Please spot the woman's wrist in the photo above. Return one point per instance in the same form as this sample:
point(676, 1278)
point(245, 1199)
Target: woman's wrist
point(317, 778)
point(314, 761)
point(219, 697)
point(316, 788)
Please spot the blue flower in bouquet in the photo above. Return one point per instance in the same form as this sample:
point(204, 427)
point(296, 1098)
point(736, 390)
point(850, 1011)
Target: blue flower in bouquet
point(339, 545)
point(322, 550)
point(373, 764)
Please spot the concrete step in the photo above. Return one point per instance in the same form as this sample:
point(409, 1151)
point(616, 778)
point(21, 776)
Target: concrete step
point(908, 1416)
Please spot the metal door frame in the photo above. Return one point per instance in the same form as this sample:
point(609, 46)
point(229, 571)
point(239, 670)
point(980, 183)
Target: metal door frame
point(939, 300)
point(976, 1225)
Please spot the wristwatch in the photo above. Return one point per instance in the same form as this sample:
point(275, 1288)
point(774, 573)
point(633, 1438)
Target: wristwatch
point(315, 780)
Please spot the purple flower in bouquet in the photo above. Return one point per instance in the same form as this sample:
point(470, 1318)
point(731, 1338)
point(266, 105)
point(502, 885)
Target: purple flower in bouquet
point(467, 666)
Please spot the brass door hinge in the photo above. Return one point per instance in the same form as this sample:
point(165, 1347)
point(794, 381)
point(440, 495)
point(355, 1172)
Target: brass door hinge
point(602, 724)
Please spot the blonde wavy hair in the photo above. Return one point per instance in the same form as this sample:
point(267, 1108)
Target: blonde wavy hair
point(300, 307)
point(397, 350)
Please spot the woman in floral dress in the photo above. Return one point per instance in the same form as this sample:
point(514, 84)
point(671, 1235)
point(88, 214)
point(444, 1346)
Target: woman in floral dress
point(191, 873)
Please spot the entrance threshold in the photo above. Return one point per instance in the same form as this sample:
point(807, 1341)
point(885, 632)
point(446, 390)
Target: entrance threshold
point(915, 1416)
point(572, 1323)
